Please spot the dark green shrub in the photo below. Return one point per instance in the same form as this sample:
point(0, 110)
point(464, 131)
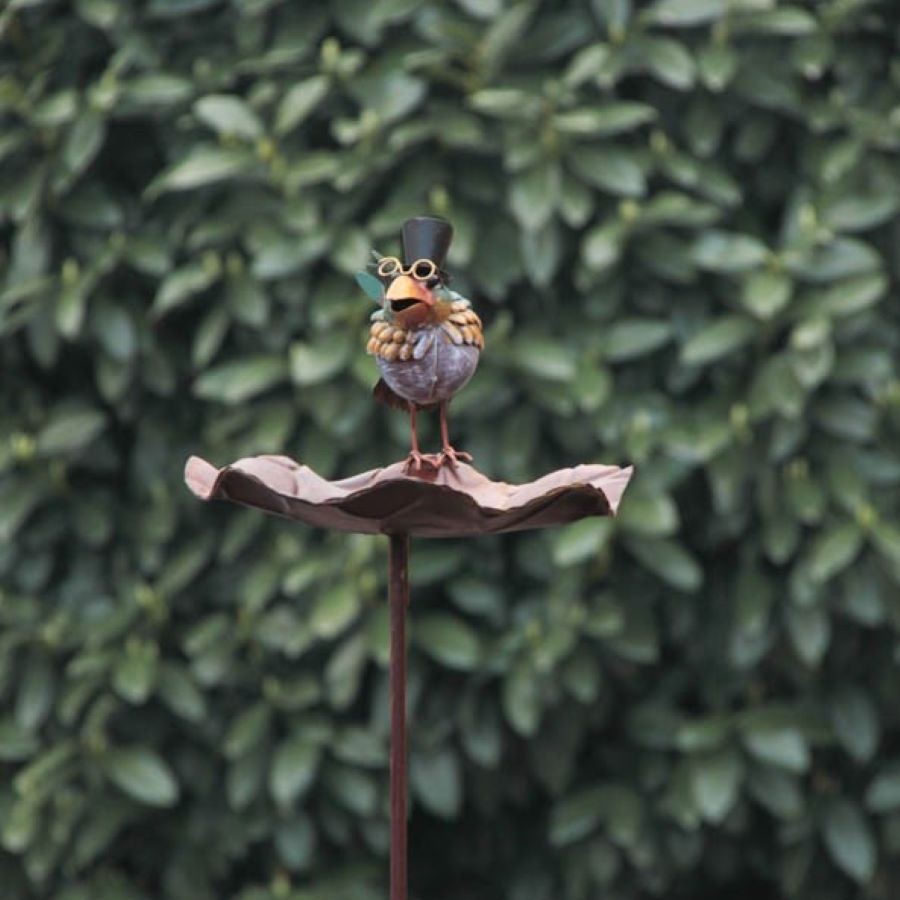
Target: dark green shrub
point(678, 220)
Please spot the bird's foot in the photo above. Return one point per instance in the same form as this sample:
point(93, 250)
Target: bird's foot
point(450, 457)
point(417, 462)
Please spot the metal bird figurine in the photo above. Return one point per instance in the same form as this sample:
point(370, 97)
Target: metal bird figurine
point(426, 338)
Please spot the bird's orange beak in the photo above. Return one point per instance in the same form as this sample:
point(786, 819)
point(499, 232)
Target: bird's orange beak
point(405, 291)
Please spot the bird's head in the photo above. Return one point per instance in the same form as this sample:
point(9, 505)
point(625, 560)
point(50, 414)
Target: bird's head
point(412, 294)
point(415, 287)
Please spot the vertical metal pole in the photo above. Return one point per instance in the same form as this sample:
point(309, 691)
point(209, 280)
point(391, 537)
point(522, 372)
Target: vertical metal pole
point(399, 598)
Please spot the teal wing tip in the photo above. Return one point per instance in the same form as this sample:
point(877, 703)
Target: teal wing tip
point(371, 285)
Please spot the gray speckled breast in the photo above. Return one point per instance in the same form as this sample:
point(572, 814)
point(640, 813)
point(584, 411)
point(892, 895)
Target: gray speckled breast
point(443, 369)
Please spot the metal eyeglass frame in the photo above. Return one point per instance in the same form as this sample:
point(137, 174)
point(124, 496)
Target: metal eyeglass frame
point(421, 269)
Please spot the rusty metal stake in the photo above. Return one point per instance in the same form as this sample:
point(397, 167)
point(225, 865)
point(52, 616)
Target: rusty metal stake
point(399, 599)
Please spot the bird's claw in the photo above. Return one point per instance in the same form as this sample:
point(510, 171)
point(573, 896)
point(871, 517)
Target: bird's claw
point(450, 457)
point(417, 461)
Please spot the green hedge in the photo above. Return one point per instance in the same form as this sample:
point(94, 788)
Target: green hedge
point(679, 223)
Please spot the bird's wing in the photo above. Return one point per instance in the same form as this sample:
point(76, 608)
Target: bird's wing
point(383, 394)
point(389, 342)
point(464, 327)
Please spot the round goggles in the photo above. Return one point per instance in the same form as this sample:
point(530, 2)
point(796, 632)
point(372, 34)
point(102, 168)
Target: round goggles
point(421, 269)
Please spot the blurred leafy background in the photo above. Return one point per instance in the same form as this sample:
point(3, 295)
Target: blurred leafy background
point(679, 221)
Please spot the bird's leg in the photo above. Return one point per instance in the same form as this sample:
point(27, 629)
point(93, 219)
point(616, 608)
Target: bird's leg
point(416, 459)
point(448, 454)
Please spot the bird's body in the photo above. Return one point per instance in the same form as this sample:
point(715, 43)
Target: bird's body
point(444, 369)
point(426, 339)
point(428, 363)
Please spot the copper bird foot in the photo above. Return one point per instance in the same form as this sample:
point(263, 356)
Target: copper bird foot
point(450, 457)
point(418, 462)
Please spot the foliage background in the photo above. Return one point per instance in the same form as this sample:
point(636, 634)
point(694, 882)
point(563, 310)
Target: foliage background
point(679, 222)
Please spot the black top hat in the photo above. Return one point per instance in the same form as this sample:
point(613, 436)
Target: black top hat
point(426, 237)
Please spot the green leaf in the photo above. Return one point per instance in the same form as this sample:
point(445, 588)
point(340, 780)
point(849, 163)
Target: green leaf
point(18, 500)
point(70, 430)
point(436, 779)
point(241, 379)
point(715, 781)
point(835, 549)
point(247, 731)
point(504, 103)
point(810, 632)
point(576, 816)
point(670, 62)
point(855, 720)
point(609, 168)
point(522, 700)
point(781, 746)
point(156, 90)
point(837, 259)
point(544, 358)
point(765, 294)
point(295, 841)
point(209, 337)
point(228, 115)
point(83, 142)
point(605, 120)
point(718, 339)
point(638, 640)
point(861, 209)
point(727, 252)
point(709, 733)
point(293, 770)
point(203, 166)
point(602, 247)
point(391, 93)
point(179, 286)
point(687, 12)
point(581, 541)
point(787, 21)
point(448, 640)
point(16, 741)
point(777, 791)
point(624, 814)
point(354, 790)
point(886, 538)
point(670, 561)
point(615, 806)
point(318, 361)
point(631, 338)
point(135, 672)
point(142, 774)
point(299, 102)
point(245, 779)
point(36, 690)
point(846, 298)
point(883, 793)
point(652, 515)
point(533, 196)
point(717, 63)
point(334, 610)
point(849, 840)
point(180, 693)
point(116, 332)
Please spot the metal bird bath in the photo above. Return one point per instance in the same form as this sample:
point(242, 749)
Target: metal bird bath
point(426, 495)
